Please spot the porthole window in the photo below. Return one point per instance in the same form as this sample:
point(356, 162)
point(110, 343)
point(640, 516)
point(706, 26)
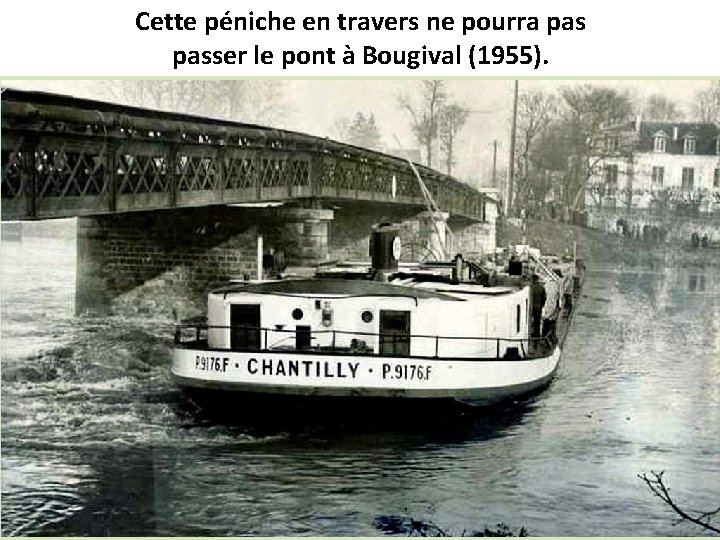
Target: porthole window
point(297, 314)
point(367, 316)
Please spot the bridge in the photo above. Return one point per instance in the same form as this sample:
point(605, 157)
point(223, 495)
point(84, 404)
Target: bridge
point(68, 157)
point(181, 199)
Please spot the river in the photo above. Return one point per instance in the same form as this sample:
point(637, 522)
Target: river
point(97, 440)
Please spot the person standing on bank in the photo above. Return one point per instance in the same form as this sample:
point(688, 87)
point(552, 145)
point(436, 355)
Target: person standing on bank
point(537, 301)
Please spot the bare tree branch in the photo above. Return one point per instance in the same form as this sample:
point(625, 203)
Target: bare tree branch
point(536, 109)
point(246, 101)
point(425, 118)
point(659, 108)
point(706, 105)
point(657, 486)
point(452, 120)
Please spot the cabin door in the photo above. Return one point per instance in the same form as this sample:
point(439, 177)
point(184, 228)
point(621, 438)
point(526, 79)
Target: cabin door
point(394, 333)
point(245, 326)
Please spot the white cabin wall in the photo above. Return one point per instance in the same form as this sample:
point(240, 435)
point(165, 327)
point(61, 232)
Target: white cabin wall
point(347, 314)
point(448, 319)
point(490, 316)
point(217, 315)
point(515, 331)
point(502, 321)
point(276, 310)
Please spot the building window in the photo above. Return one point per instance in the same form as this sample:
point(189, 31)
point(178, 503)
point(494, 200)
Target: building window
point(658, 175)
point(716, 179)
point(611, 174)
point(659, 142)
point(688, 178)
point(689, 145)
point(611, 144)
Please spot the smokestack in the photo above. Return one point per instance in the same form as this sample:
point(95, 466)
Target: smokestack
point(385, 248)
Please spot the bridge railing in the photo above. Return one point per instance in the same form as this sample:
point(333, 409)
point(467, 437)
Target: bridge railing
point(63, 156)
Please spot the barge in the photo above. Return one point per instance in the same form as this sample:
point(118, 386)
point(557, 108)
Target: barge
point(461, 330)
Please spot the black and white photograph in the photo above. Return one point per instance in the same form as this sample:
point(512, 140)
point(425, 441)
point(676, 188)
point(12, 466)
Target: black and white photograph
point(360, 307)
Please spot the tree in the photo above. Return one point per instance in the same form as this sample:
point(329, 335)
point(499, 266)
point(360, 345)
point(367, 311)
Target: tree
point(706, 105)
point(656, 484)
point(659, 108)
point(561, 141)
point(425, 117)
point(364, 132)
point(452, 119)
point(246, 101)
point(588, 110)
point(536, 111)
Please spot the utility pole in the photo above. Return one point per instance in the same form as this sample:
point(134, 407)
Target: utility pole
point(511, 166)
point(494, 173)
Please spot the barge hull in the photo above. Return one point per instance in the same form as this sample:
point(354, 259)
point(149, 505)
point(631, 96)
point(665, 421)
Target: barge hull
point(472, 381)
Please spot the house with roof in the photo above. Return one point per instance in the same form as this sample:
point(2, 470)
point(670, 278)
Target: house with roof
point(657, 165)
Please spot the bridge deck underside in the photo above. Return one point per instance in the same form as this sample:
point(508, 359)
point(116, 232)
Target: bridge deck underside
point(64, 157)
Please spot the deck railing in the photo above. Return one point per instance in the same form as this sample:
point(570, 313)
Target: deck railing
point(326, 341)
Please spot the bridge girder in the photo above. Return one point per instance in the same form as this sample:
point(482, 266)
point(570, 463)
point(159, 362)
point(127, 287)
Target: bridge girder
point(66, 157)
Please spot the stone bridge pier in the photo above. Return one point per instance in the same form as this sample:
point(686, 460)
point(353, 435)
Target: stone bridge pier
point(305, 234)
point(138, 261)
point(144, 260)
point(164, 262)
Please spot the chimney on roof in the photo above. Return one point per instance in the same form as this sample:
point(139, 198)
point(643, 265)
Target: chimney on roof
point(638, 121)
point(675, 133)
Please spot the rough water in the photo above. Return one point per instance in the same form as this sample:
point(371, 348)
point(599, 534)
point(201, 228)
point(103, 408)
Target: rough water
point(97, 440)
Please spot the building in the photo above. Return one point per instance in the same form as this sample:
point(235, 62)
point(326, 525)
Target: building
point(666, 166)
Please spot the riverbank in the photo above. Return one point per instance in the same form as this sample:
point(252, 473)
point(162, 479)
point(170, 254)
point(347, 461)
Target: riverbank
point(598, 248)
point(174, 299)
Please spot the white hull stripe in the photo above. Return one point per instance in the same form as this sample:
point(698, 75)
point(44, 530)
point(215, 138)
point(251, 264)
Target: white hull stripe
point(307, 374)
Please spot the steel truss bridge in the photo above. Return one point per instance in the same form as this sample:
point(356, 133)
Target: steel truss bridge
point(64, 157)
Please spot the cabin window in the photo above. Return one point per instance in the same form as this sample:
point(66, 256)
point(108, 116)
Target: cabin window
point(716, 179)
point(367, 316)
point(297, 314)
point(394, 333)
point(245, 327)
point(303, 337)
point(517, 318)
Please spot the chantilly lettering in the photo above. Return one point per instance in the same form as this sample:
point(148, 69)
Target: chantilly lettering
point(279, 367)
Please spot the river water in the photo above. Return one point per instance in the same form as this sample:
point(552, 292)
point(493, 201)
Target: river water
point(97, 440)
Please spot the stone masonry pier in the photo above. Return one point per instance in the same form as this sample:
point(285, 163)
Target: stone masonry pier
point(127, 259)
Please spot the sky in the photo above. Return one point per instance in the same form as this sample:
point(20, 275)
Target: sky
point(313, 106)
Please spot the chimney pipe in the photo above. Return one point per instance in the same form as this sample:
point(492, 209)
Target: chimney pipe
point(385, 249)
